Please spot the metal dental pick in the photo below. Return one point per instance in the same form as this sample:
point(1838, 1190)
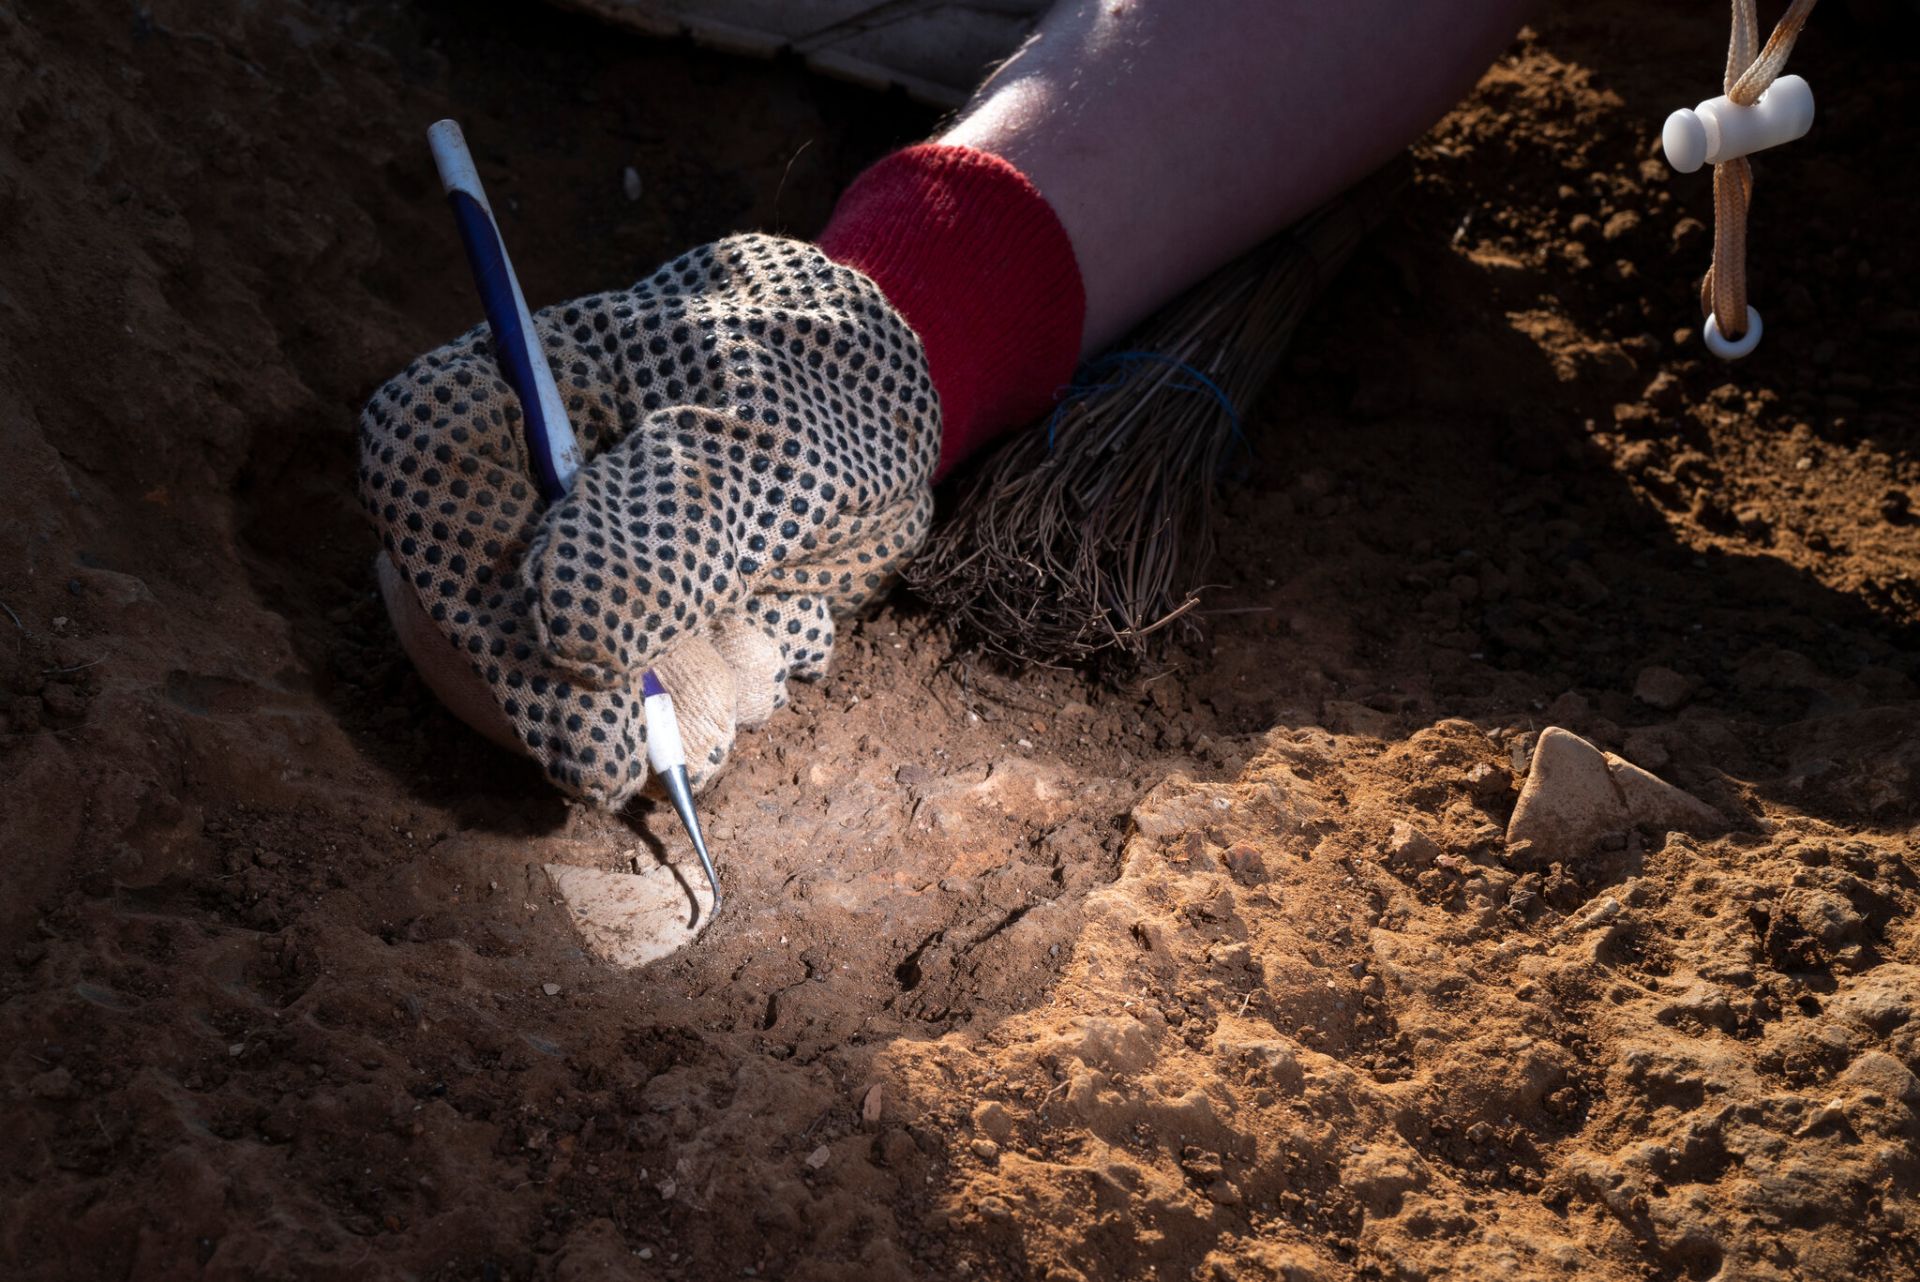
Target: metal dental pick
point(550, 440)
point(669, 761)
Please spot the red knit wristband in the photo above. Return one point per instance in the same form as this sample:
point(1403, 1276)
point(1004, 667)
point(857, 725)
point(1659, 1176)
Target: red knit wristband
point(976, 260)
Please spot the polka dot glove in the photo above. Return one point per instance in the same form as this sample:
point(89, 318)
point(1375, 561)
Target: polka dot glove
point(759, 431)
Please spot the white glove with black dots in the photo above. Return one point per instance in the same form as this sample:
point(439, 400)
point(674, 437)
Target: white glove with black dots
point(760, 433)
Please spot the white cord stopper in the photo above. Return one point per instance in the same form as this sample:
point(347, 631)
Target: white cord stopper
point(1720, 129)
point(1728, 349)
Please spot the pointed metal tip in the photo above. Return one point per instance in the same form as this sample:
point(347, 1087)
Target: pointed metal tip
point(713, 877)
point(681, 794)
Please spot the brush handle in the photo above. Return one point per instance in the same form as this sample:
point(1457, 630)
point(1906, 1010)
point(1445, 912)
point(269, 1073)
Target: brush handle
point(549, 437)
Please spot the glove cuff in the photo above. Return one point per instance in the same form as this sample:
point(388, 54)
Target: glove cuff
point(971, 254)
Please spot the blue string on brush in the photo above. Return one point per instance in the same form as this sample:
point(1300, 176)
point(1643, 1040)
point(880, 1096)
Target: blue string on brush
point(1083, 387)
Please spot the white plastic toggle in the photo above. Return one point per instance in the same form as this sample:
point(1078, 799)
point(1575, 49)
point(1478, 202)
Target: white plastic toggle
point(1719, 129)
point(1730, 349)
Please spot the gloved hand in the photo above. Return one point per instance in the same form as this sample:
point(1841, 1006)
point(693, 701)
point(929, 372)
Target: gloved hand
point(760, 432)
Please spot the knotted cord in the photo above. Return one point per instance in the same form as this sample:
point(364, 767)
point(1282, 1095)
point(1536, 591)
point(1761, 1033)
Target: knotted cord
point(1723, 294)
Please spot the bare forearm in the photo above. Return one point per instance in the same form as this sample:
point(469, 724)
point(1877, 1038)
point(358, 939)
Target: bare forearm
point(1171, 135)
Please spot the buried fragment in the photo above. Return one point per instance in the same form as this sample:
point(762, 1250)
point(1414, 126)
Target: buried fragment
point(628, 919)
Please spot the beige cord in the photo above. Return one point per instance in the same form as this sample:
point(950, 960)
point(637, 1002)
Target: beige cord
point(1723, 294)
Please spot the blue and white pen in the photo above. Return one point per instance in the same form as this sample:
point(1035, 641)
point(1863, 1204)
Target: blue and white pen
point(550, 440)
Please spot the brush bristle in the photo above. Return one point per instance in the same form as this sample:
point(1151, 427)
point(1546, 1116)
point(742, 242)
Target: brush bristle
point(1088, 537)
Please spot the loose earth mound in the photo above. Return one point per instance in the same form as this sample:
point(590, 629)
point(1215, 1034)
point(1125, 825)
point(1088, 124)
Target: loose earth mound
point(1248, 971)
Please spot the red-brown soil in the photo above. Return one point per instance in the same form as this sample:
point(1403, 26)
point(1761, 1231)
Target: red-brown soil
point(1019, 977)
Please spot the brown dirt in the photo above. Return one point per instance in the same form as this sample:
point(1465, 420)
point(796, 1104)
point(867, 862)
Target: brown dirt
point(1019, 977)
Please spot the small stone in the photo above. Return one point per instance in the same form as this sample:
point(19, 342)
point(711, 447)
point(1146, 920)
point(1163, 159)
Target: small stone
point(1487, 781)
point(991, 1118)
point(1662, 688)
point(1203, 1165)
point(1245, 859)
point(1832, 1113)
point(984, 1149)
point(644, 1253)
point(872, 1103)
point(819, 1157)
point(1408, 846)
point(630, 183)
point(994, 1208)
point(551, 990)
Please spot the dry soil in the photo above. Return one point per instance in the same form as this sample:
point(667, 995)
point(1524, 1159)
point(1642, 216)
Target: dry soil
point(1231, 974)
